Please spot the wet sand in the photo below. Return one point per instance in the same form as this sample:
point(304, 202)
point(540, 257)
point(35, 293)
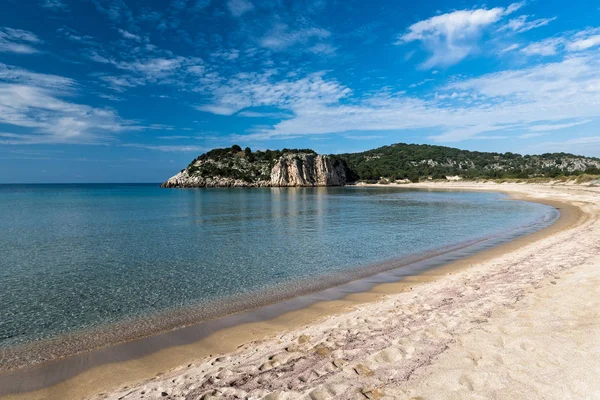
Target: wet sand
point(260, 338)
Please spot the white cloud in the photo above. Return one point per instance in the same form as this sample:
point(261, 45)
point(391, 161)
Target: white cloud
point(55, 120)
point(130, 36)
point(453, 36)
point(532, 135)
point(256, 114)
point(510, 48)
point(424, 81)
point(218, 109)
point(72, 35)
point(122, 83)
point(322, 48)
point(514, 7)
point(174, 137)
point(37, 101)
point(17, 41)
point(153, 68)
point(282, 37)
point(116, 10)
point(547, 47)
point(568, 42)
point(521, 24)
point(584, 44)
point(257, 90)
point(110, 97)
point(582, 145)
point(54, 5)
point(584, 140)
point(20, 76)
point(237, 8)
point(228, 55)
point(364, 137)
point(173, 70)
point(169, 149)
point(554, 127)
point(543, 97)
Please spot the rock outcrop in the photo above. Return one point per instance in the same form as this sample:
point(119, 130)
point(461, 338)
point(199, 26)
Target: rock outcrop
point(240, 169)
point(308, 170)
point(185, 180)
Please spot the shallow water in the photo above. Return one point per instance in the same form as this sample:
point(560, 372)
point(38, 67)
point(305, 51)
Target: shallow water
point(77, 257)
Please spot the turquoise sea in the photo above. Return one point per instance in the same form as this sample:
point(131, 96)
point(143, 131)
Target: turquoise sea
point(77, 257)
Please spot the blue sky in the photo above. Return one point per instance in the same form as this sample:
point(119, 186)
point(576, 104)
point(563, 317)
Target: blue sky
point(127, 91)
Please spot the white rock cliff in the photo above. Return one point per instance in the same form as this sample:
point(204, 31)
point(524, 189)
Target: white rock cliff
point(291, 169)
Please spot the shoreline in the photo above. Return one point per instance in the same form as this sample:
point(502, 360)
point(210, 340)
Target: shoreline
point(229, 339)
point(206, 318)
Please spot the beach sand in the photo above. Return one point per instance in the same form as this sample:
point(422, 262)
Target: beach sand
point(521, 320)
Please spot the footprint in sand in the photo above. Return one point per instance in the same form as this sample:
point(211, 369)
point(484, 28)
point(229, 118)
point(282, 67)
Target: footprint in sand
point(389, 355)
point(466, 382)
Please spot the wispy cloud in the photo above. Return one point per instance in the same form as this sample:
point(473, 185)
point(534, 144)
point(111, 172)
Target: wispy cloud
point(453, 36)
point(547, 47)
point(544, 97)
point(256, 114)
point(168, 69)
point(282, 37)
point(74, 36)
point(364, 137)
point(24, 77)
point(226, 54)
point(116, 10)
point(168, 149)
point(322, 49)
point(237, 8)
point(174, 137)
point(256, 90)
point(509, 48)
point(56, 5)
point(130, 36)
point(37, 102)
point(262, 65)
point(569, 42)
point(585, 40)
point(555, 127)
point(532, 135)
point(522, 24)
point(17, 41)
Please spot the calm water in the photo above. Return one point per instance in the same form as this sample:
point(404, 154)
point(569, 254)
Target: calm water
point(74, 257)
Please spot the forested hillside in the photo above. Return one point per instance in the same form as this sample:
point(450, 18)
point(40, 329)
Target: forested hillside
point(412, 161)
point(236, 167)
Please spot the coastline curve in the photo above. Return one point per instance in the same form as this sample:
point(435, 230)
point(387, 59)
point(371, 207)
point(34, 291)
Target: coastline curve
point(55, 373)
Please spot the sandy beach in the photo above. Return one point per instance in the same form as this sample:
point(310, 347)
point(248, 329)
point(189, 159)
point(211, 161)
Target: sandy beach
point(521, 320)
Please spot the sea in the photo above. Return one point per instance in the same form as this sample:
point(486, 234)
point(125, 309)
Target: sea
point(75, 258)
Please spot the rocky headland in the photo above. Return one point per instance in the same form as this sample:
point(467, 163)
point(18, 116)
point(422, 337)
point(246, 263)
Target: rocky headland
point(235, 167)
point(401, 163)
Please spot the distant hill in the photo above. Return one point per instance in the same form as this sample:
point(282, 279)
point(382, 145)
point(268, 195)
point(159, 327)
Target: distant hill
point(415, 161)
point(233, 166)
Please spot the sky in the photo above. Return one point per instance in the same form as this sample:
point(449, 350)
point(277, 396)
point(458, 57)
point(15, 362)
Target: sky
point(131, 91)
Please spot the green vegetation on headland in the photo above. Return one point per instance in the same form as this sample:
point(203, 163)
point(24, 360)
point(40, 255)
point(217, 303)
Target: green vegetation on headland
point(233, 162)
point(414, 162)
point(404, 162)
